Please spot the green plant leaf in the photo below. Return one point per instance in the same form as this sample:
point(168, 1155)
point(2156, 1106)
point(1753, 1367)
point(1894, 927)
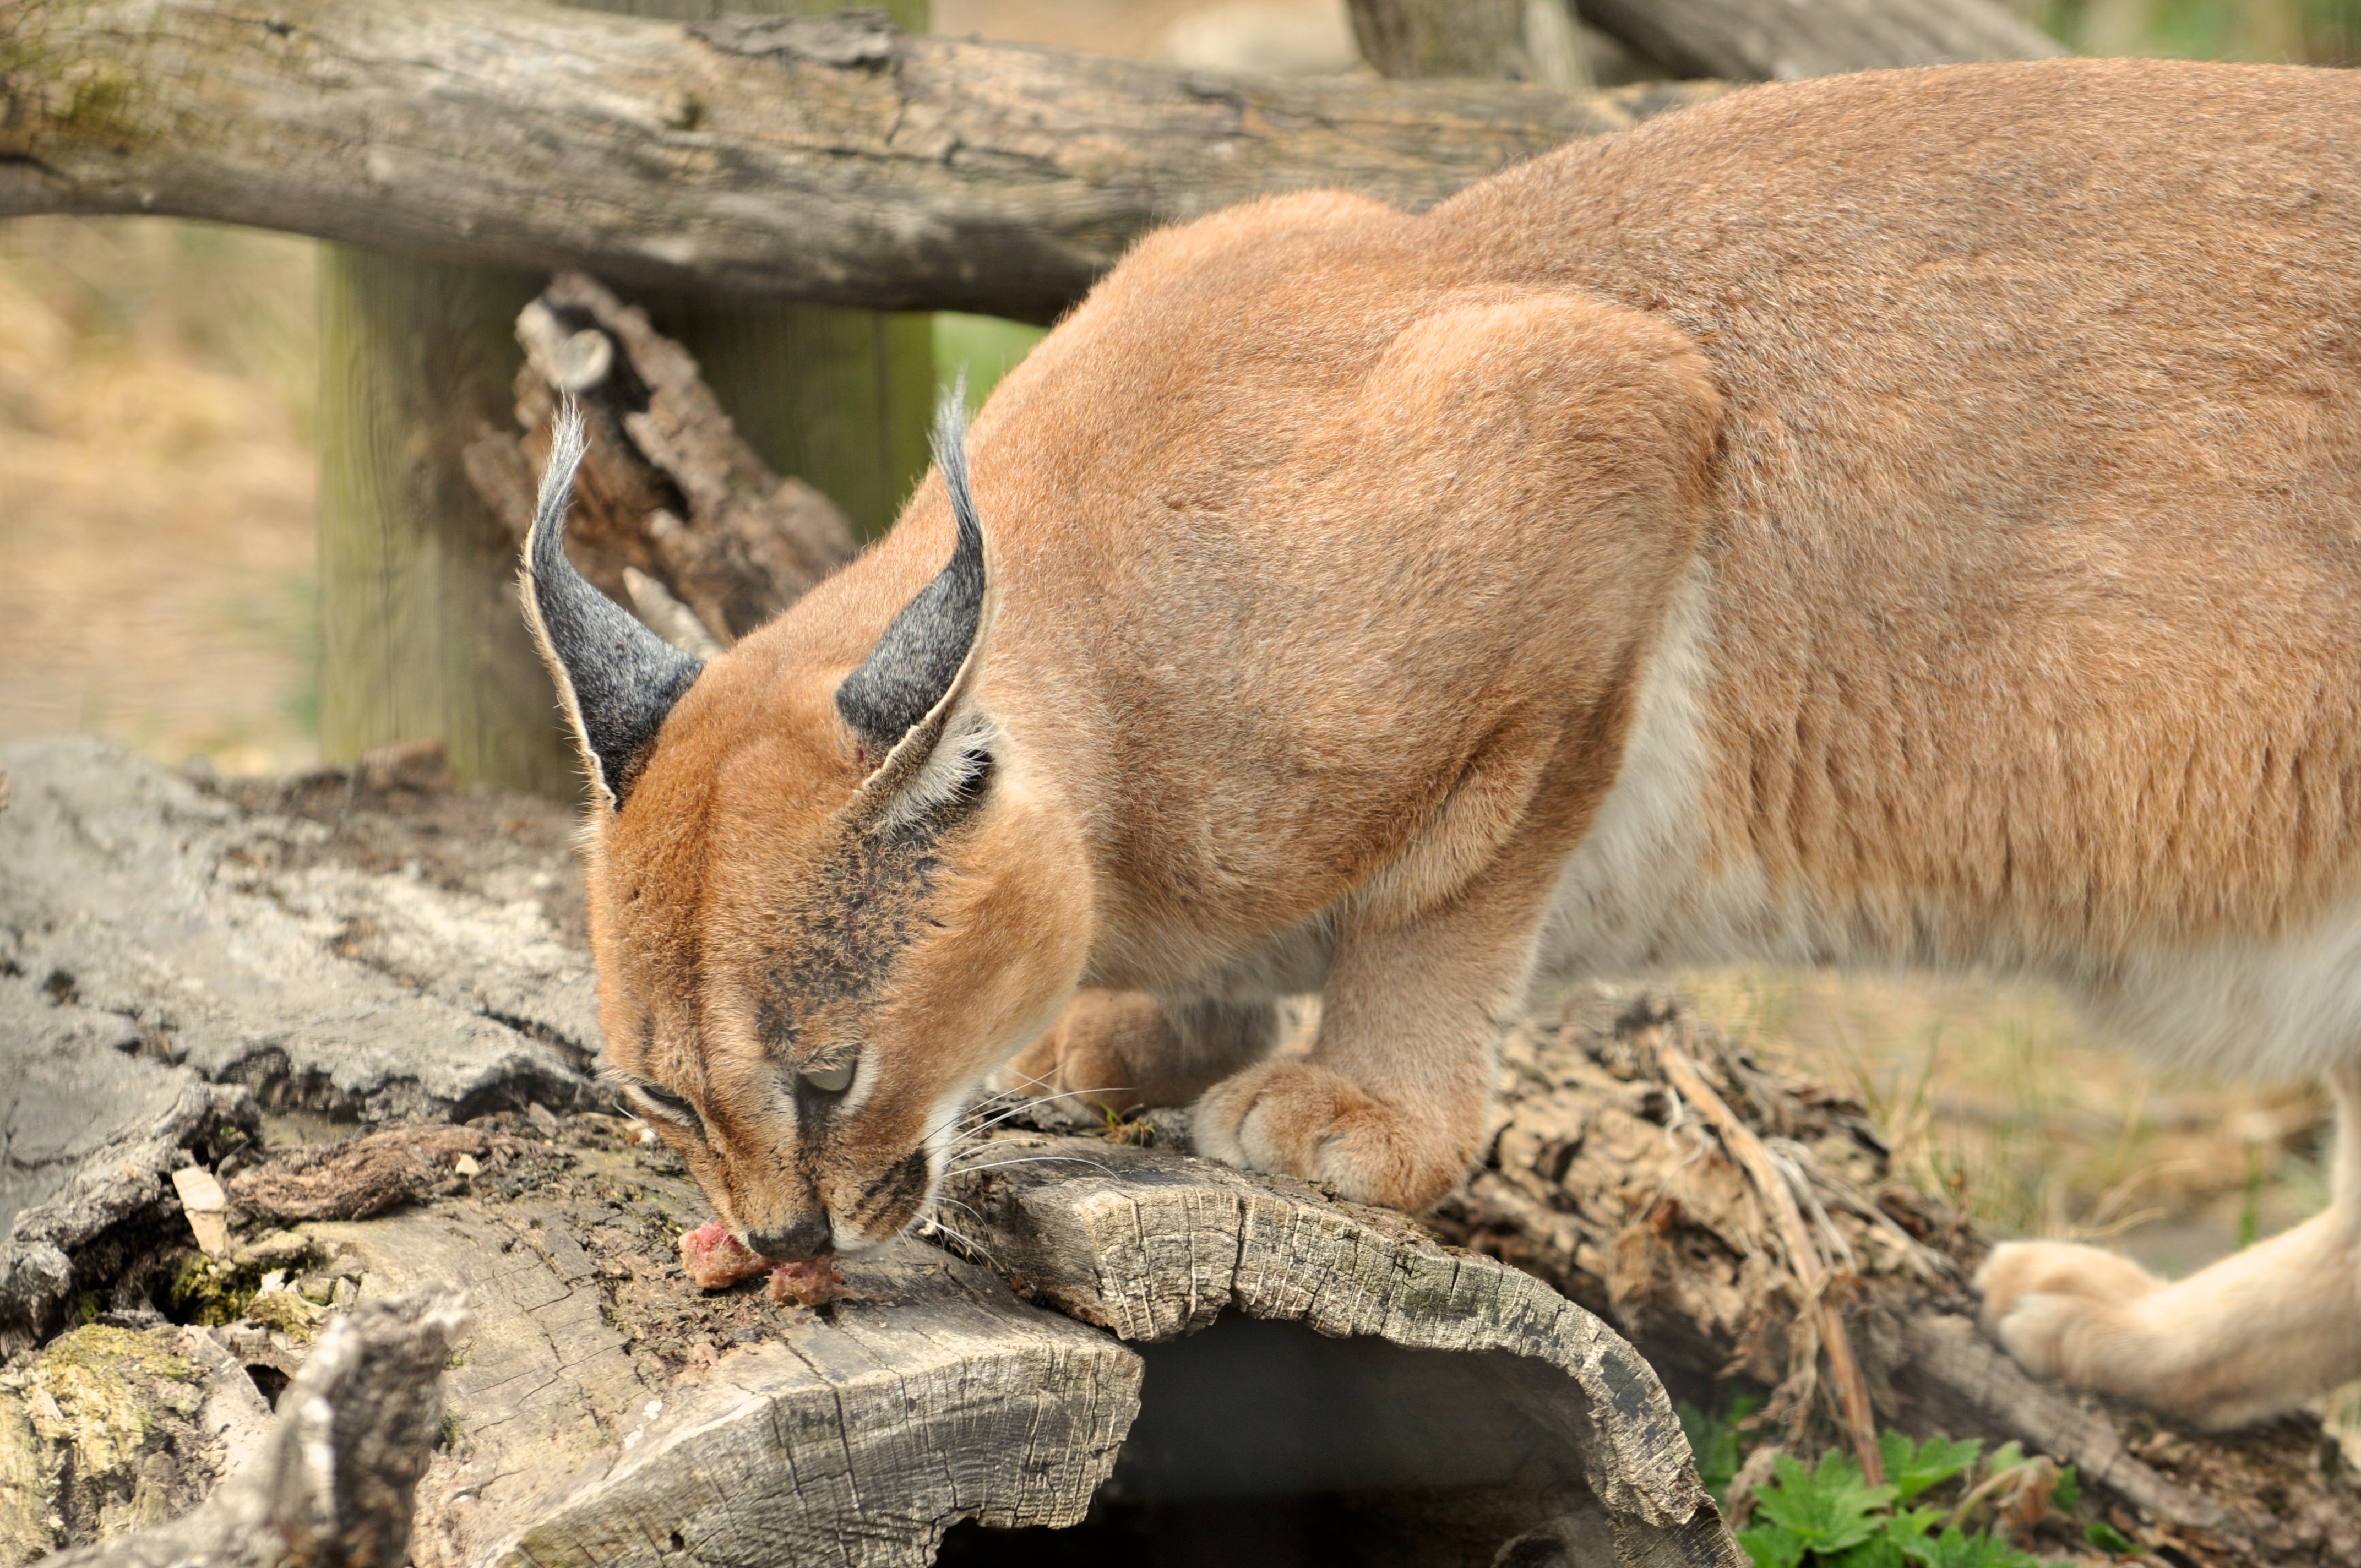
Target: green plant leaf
point(1716, 1443)
point(1771, 1546)
point(2067, 1493)
point(1877, 1551)
point(1955, 1548)
point(1914, 1467)
point(2107, 1538)
point(1828, 1509)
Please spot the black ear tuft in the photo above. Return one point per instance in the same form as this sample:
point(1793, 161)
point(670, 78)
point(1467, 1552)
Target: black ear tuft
point(617, 678)
point(913, 665)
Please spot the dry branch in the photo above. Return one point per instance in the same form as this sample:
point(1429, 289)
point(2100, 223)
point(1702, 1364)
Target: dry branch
point(827, 158)
point(1803, 1253)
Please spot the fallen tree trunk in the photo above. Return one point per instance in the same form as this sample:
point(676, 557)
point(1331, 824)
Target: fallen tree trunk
point(605, 1411)
point(828, 158)
point(1193, 1350)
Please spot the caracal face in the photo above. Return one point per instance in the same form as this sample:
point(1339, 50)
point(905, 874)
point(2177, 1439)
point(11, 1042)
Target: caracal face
point(803, 923)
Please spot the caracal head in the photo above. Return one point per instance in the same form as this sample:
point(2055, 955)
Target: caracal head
point(825, 902)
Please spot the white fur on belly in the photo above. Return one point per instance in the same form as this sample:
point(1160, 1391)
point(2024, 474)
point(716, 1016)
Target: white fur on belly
point(1638, 896)
point(2288, 1008)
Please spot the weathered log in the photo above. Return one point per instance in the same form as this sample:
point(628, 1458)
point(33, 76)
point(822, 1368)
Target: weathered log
point(330, 1485)
point(295, 945)
point(672, 514)
point(826, 158)
point(1766, 40)
point(1600, 1181)
point(607, 1412)
point(111, 1428)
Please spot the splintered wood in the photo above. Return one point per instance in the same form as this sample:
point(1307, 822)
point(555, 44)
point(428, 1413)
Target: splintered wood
point(674, 516)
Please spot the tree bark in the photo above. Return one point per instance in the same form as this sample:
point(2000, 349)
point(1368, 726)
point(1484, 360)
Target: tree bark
point(821, 159)
point(1765, 40)
point(1603, 1180)
point(674, 515)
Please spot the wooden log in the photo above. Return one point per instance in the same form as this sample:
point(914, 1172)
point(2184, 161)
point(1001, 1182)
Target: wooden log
point(819, 158)
point(420, 635)
point(1154, 1246)
point(110, 1429)
point(837, 398)
point(1268, 1336)
point(1770, 40)
point(606, 1412)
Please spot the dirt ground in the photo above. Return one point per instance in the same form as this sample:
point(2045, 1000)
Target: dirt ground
point(156, 571)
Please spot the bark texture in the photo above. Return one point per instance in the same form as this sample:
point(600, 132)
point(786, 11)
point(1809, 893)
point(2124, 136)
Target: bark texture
point(673, 515)
point(828, 158)
point(330, 1485)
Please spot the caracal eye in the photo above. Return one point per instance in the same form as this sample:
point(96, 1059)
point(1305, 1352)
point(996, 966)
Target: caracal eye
point(828, 1079)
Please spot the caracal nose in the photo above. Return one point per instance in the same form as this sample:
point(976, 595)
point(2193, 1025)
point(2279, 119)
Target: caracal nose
point(807, 1237)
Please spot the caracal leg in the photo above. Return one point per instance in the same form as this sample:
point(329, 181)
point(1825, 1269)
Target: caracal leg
point(1123, 1049)
point(2256, 1334)
point(1389, 1106)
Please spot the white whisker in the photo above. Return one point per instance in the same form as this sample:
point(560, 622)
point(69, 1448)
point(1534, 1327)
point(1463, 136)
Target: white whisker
point(1033, 1159)
point(967, 1242)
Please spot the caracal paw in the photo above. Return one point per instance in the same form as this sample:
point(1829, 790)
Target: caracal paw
point(2015, 1270)
point(2069, 1313)
point(1297, 1118)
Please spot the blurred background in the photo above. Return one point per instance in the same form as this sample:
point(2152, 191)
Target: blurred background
point(160, 395)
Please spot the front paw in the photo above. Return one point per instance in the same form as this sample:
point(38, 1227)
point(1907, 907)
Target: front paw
point(1299, 1119)
point(2062, 1311)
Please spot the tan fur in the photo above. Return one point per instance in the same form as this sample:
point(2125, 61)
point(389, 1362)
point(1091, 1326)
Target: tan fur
point(1903, 518)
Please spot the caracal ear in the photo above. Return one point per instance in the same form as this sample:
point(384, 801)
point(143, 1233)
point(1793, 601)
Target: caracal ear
point(911, 694)
point(615, 678)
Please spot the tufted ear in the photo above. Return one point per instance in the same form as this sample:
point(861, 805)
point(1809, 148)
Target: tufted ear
point(901, 701)
point(615, 678)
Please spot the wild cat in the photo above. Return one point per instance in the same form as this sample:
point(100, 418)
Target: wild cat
point(1906, 517)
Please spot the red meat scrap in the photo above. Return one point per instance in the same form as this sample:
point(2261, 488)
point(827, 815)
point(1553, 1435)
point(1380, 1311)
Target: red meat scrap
point(715, 1258)
point(811, 1283)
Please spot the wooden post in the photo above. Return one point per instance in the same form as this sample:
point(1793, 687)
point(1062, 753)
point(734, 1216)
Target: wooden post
point(1514, 40)
point(421, 635)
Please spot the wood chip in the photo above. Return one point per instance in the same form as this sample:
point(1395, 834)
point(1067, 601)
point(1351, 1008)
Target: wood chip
point(206, 1205)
